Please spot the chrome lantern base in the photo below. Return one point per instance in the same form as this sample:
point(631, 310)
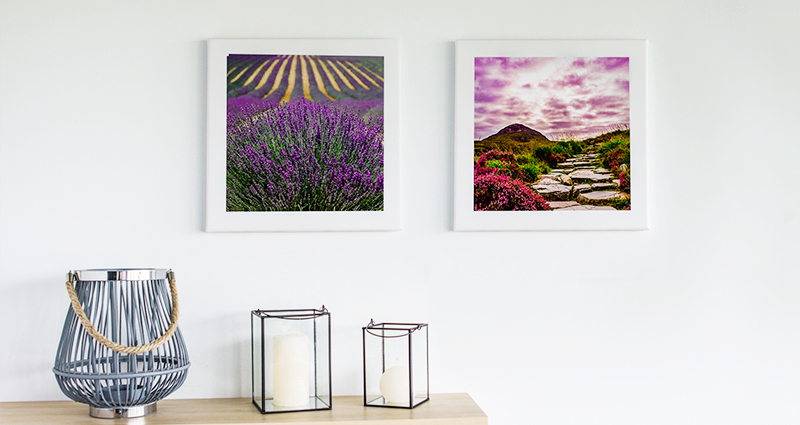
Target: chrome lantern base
point(122, 413)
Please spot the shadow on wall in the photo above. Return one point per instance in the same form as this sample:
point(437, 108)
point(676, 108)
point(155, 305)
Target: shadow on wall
point(219, 351)
point(32, 317)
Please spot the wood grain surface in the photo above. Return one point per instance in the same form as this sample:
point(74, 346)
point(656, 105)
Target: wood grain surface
point(442, 409)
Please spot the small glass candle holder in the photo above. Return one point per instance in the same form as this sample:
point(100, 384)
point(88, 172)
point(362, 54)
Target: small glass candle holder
point(395, 364)
point(291, 353)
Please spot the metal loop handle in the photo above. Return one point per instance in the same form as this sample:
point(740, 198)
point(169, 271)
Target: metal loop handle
point(76, 307)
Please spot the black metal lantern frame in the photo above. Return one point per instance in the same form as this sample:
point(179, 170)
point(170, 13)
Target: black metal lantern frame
point(396, 364)
point(291, 359)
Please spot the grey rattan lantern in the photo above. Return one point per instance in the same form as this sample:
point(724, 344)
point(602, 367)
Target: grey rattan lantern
point(121, 350)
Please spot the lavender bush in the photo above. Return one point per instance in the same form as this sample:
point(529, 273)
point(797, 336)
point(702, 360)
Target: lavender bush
point(304, 156)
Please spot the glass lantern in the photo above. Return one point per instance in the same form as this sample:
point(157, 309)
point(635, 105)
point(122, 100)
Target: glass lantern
point(395, 364)
point(291, 353)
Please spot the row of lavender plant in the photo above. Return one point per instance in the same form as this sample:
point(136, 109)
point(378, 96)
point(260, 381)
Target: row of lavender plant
point(304, 156)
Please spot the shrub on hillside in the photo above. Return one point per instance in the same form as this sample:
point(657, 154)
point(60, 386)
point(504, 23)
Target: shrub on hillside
point(622, 204)
point(625, 181)
point(615, 153)
point(521, 167)
point(497, 192)
point(497, 155)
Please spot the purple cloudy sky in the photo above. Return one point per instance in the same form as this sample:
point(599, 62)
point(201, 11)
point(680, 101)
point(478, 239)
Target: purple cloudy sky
point(581, 96)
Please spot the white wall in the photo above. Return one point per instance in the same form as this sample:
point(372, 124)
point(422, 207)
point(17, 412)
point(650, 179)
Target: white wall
point(695, 321)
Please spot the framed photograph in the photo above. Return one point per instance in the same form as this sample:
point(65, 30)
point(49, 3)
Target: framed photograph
point(302, 135)
point(550, 135)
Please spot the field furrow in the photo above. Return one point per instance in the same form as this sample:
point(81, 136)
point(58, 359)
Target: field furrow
point(240, 74)
point(278, 78)
point(318, 79)
point(363, 74)
point(267, 73)
point(304, 76)
point(374, 73)
point(339, 73)
point(255, 73)
point(330, 75)
point(361, 83)
point(287, 96)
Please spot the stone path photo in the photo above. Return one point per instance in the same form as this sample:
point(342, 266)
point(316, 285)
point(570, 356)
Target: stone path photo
point(579, 184)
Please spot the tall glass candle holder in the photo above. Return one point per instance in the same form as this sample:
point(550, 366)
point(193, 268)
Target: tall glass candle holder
point(395, 364)
point(291, 353)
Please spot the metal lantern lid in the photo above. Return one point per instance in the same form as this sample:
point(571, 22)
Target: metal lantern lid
point(121, 350)
point(121, 274)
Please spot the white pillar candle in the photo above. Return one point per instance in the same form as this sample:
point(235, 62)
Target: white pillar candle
point(290, 370)
point(394, 385)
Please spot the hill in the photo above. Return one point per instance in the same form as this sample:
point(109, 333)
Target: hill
point(516, 138)
point(615, 134)
point(520, 133)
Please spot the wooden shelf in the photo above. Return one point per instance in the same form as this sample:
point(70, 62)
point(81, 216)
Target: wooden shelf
point(442, 409)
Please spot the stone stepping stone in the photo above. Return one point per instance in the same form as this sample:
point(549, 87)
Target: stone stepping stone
point(605, 186)
point(557, 205)
point(587, 167)
point(583, 176)
point(601, 171)
point(581, 163)
point(586, 208)
point(565, 164)
point(558, 171)
point(581, 188)
point(546, 179)
point(599, 197)
point(553, 192)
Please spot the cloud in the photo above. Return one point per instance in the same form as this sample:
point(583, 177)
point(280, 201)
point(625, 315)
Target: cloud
point(571, 80)
point(492, 83)
point(578, 104)
point(555, 103)
point(575, 95)
point(486, 97)
point(560, 125)
point(604, 101)
point(610, 64)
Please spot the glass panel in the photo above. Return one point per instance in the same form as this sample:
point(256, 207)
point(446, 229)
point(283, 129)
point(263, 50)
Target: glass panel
point(387, 368)
point(419, 364)
point(256, 341)
point(322, 360)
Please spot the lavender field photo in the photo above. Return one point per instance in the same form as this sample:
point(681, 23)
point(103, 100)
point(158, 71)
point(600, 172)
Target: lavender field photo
point(304, 133)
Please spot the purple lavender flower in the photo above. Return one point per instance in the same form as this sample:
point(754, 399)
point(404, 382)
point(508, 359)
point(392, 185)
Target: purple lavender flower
point(303, 156)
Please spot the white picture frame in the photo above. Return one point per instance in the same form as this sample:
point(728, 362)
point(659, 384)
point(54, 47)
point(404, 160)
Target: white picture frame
point(218, 218)
point(466, 218)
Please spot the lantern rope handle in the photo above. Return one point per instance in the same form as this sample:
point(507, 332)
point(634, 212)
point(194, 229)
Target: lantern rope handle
point(76, 307)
